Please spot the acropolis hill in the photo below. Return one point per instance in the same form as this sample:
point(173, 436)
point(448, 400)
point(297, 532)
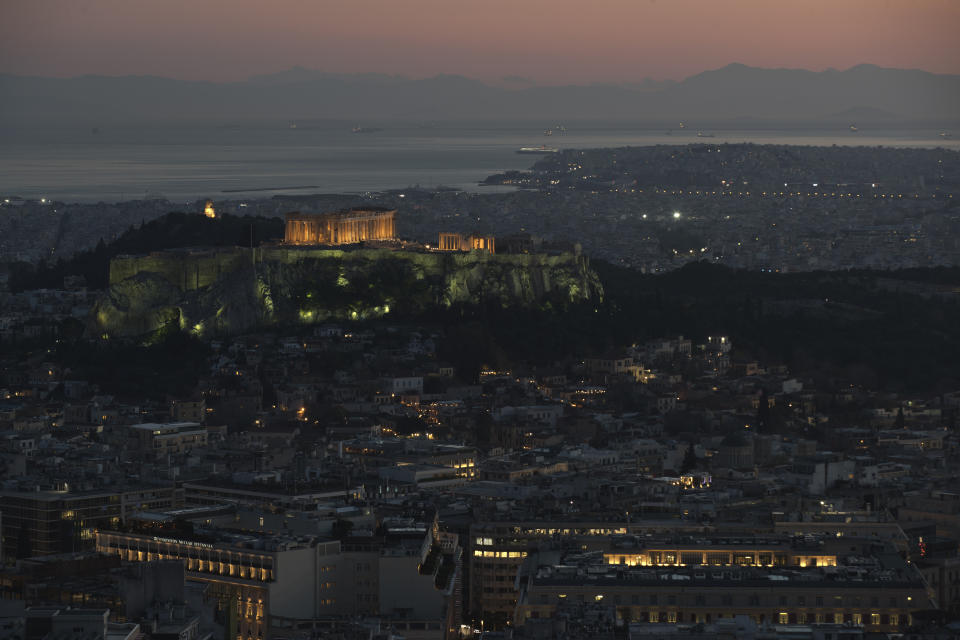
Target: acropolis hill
point(224, 291)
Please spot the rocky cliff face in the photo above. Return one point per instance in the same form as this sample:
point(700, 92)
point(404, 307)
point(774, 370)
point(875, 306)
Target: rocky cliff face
point(234, 290)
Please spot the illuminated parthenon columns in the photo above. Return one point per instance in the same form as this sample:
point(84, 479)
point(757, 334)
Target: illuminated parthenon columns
point(450, 241)
point(342, 227)
point(457, 242)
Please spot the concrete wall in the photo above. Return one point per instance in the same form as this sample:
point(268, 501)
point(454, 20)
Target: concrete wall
point(294, 592)
point(403, 588)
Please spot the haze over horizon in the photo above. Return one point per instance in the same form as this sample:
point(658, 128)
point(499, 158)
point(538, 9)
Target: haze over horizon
point(535, 42)
point(298, 72)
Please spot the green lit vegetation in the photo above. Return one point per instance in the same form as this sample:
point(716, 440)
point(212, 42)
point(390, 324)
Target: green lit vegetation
point(366, 289)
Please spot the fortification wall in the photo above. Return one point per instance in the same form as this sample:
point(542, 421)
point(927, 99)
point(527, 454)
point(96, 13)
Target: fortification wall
point(187, 270)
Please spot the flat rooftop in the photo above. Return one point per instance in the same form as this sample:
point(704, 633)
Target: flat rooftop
point(167, 427)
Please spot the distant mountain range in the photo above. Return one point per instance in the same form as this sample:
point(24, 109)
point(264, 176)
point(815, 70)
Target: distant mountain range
point(736, 91)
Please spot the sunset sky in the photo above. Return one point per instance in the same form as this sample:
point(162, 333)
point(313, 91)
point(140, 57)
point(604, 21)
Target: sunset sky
point(551, 42)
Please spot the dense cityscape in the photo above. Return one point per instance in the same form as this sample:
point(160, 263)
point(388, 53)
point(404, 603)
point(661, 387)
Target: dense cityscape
point(353, 464)
point(497, 320)
point(782, 208)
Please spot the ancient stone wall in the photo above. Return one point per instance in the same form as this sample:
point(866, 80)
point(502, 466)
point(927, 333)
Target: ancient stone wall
point(185, 269)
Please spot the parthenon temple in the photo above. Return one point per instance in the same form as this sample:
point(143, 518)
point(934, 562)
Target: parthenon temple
point(340, 227)
point(459, 242)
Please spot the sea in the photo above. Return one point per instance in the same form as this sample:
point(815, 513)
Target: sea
point(186, 162)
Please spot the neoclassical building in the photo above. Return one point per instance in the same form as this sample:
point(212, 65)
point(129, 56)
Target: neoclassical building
point(459, 242)
point(340, 227)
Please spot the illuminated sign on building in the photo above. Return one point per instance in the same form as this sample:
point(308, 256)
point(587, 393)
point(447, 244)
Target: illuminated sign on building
point(189, 543)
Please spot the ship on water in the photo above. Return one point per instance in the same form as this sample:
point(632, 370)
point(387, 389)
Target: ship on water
point(542, 149)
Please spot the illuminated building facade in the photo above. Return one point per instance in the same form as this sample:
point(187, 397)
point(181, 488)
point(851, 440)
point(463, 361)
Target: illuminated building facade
point(745, 553)
point(250, 578)
point(497, 549)
point(341, 227)
point(770, 581)
point(459, 242)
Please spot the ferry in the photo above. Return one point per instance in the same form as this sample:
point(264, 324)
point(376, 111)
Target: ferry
point(542, 149)
point(701, 134)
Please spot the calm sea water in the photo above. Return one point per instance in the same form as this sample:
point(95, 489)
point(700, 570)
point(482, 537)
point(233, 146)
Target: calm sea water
point(257, 161)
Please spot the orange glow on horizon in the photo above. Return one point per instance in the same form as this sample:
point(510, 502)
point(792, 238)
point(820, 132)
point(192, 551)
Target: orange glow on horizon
point(550, 41)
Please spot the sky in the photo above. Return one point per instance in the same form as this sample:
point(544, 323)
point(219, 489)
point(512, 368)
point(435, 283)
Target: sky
point(548, 41)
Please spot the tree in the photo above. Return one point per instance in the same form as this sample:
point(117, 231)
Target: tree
point(763, 409)
point(689, 459)
point(341, 529)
